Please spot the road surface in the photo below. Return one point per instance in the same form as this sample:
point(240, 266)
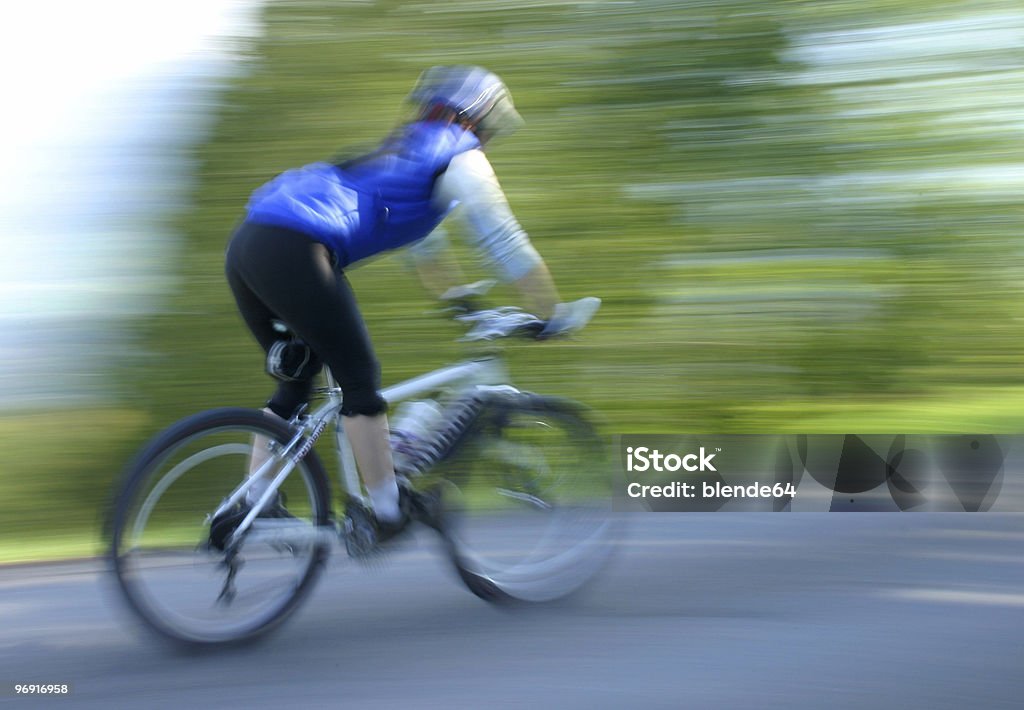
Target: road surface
point(698, 611)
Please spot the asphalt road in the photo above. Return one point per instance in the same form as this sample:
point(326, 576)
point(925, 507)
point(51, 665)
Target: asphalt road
point(697, 611)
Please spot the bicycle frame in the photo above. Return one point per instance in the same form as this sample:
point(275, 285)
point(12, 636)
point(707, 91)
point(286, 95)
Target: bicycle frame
point(464, 376)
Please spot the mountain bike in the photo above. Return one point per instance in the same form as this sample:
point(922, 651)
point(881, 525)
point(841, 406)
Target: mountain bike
point(518, 480)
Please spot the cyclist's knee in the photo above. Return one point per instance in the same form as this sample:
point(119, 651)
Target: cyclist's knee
point(282, 410)
point(364, 401)
point(289, 397)
point(360, 386)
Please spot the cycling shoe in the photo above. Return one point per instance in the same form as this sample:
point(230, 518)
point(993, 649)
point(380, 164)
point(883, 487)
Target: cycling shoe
point(222, 526)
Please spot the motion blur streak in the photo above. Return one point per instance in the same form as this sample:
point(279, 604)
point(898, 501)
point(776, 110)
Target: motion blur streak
point(101, 100)
point(779, 612)
point(802, 217)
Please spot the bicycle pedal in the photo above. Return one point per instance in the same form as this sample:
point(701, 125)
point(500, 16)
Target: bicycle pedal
point(358, 531)
point(359, 544)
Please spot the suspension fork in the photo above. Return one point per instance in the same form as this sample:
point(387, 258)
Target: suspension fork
point(464, 417)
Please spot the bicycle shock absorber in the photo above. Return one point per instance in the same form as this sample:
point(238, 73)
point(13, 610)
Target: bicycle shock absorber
point(457, 418)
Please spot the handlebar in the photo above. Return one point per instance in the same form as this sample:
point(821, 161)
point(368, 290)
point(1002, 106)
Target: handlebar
point(501, 323)
point(508, 321)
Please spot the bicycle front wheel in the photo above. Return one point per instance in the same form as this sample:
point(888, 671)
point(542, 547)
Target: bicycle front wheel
point(528, 514)
point(179, 584)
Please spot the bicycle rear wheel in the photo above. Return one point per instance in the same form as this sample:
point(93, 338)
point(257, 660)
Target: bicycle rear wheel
point(528, 511)
point(170, 575)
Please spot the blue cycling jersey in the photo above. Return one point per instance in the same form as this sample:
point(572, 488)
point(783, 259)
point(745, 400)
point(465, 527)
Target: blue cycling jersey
point(376, 203)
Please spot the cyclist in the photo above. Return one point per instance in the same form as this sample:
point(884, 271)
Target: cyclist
point(303, 229)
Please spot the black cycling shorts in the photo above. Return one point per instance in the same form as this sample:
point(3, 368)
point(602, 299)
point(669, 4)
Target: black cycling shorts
point(280, 274)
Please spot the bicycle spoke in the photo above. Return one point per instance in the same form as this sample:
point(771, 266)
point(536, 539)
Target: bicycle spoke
point(172, 569)
point(533, 509)
point(525, 497)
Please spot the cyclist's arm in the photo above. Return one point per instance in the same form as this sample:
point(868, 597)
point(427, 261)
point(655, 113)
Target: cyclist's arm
point(435, 263)
point(470, 181)
point(538, 290)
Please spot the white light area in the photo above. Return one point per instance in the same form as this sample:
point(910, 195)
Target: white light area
point(957, 596)
point(948, 93)
point(943, 79)
point(92, 91)
point(977, 43)
point(58, 52)
point(1008, 176)
point(911, 42)
point(103, 101)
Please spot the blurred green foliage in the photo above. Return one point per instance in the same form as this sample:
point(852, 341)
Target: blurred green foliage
point(758, 236)
point(802, 216)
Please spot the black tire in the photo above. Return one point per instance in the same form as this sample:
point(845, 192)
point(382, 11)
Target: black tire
point(145, 478)
point(575, 534)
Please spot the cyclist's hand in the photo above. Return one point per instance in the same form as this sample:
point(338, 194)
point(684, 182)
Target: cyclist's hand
point(570, 317)
point(466, 299)
point(500, 323)
point(495, 323)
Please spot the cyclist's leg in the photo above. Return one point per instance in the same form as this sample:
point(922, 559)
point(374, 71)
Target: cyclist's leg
point(292, 277)
point(243, 254)
point(260, 321)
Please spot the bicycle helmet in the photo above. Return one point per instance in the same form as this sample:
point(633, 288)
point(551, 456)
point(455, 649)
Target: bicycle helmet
point(475, 94)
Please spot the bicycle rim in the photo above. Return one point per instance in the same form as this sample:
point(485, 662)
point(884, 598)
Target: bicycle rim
point(172, 578)
point(529, 510)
